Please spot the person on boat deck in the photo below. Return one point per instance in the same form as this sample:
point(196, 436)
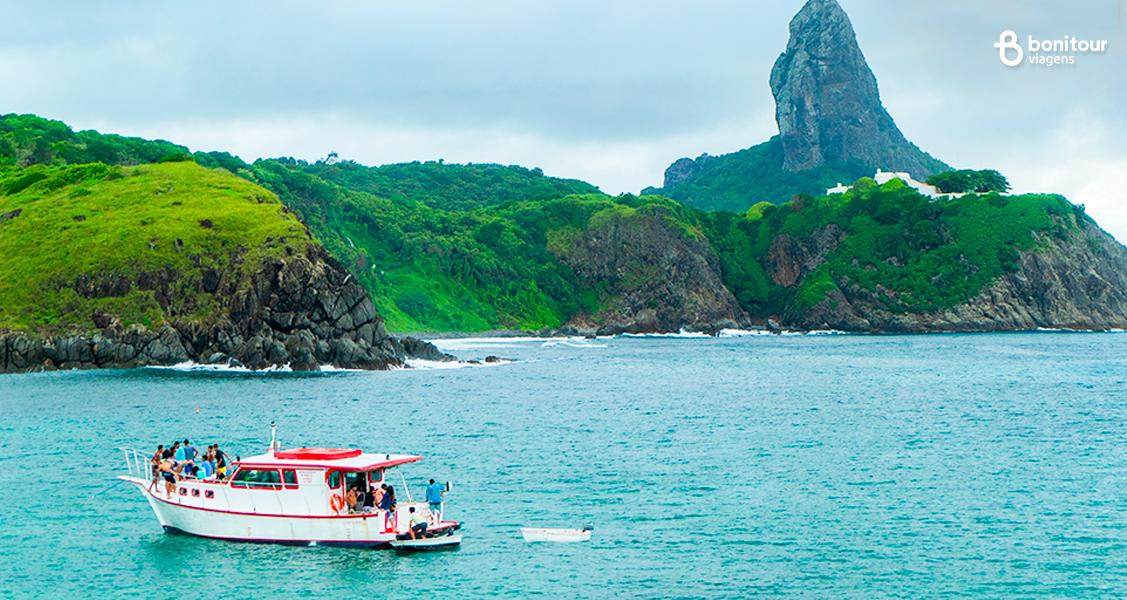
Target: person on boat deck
point(155, 460)
point(207, 468)
point(220, 463)
point(168, 472)
point(418, 524)
point(434, 499)
point(387, 504)
point(185, 455)
point(370, 499)
point(352, 499)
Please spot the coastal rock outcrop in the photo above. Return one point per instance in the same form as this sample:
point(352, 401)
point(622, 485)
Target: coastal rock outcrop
point(302, 311)
point(1075, 282)
point(655, 277)
point(832, 126)
point(827, 104)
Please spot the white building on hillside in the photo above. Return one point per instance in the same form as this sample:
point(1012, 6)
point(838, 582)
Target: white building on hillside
point(882, 177)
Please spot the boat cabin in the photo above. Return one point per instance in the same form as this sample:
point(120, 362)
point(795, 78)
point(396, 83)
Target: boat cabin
point(312, 481)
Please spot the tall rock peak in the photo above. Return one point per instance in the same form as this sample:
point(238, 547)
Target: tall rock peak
point(827, 103)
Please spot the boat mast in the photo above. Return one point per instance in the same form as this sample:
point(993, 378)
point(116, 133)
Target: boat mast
point(273, 437)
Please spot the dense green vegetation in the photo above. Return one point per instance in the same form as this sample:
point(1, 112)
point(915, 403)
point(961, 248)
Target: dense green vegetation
point(471, 247)
point(970, 180)
point(78, 239)
point(461, 270)
point(30, 140)
point(733, 182)
point(446, 186)
point(929, 254)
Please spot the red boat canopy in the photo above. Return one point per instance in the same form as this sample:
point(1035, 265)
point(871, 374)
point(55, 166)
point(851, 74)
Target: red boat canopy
point(317, 453)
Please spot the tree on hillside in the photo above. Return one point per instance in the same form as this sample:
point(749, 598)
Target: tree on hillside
point(970, 180)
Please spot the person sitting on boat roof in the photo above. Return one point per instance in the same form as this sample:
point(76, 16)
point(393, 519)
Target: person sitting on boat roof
point(418, 524)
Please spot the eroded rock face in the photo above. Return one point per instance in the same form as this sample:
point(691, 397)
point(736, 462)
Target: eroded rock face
point(683, 169)
point(827, 103)
point(790, 259)
point(1075, 283)
point(656, 277)
point(303, 311)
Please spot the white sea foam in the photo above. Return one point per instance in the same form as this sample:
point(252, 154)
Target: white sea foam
point(484, 343)
point(679, 334)
point(572, 342)
point(743, 332)
point(418, 363)
point(1072, 330)
point(192, 366)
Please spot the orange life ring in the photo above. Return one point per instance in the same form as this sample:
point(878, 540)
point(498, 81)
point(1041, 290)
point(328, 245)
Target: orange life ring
point(336, 502)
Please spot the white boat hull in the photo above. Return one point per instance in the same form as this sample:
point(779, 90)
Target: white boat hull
point(178, 515)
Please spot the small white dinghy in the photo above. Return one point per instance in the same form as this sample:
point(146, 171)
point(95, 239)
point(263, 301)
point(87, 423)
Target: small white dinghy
point(434, 543)
point(545, 534)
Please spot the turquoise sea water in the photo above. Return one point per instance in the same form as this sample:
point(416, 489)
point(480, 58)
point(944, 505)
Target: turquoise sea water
point(831, 466)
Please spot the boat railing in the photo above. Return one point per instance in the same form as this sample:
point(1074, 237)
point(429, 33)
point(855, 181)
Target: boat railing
point(136, 462)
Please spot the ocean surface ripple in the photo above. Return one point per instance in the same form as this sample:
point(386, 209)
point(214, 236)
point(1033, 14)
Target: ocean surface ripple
point(842, 466)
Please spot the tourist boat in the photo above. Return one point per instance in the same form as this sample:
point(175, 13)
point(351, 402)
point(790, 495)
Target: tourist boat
point(288, 497)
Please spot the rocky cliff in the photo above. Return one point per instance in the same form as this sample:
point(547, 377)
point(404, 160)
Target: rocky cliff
point(1073, 281)
point(826, 100)
point(655, 275)
point(301, 312)
point(832, 126)
point(169, 263)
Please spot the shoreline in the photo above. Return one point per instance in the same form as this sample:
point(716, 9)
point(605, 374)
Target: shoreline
point(516, 334)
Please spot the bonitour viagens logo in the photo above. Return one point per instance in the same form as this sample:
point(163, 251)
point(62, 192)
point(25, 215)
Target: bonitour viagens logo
point(1049, 53)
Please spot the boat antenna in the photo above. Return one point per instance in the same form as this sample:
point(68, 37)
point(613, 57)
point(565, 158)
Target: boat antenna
point(273, 436)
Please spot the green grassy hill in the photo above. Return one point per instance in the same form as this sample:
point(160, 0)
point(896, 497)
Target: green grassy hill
point(734, 182)
point(479, 247)
point(433, 269)
point(917, 255)
point(447, 186)
point(82, 239)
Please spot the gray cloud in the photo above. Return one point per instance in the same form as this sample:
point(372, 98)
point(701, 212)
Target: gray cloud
point(607, 91)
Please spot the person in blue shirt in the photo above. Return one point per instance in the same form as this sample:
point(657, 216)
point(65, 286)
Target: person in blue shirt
point(434, 499)
point(189, 451)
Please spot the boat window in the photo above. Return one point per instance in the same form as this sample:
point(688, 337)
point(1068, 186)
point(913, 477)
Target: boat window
point(183, 491)
point(289, 479)
point(209, 494)
point(334, 479)
point(257, 478)
point(195, 493)
point(375, 476)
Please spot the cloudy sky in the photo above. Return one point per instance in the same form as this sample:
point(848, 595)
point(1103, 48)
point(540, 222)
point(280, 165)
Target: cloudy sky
point(607, 91)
